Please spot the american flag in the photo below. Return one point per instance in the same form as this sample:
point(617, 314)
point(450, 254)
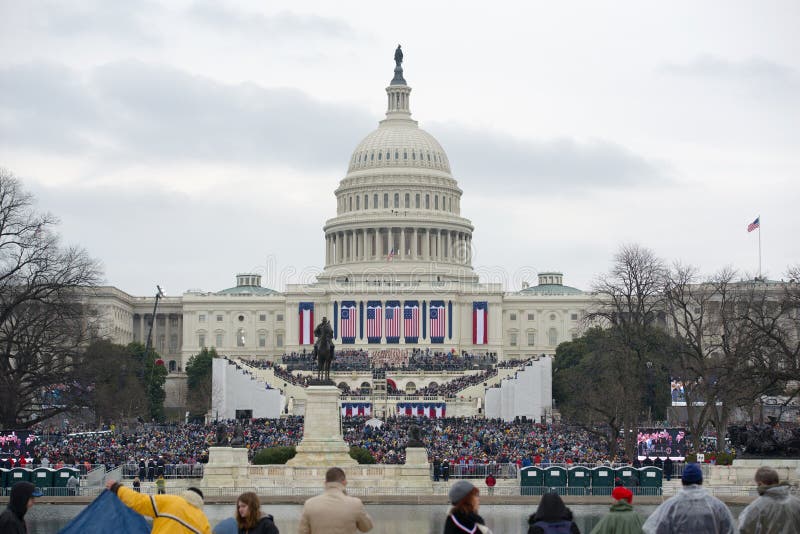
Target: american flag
point(348, 321)
point(755, 224)
point(374, 317)
point(392, 320)
point(437, 321)
point(411, 321)
point(392, 254)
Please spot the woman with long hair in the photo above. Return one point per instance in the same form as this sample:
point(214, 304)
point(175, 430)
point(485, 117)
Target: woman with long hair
point(249, 518)
point(463, 516)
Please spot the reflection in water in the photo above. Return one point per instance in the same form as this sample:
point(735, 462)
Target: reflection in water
point(389, 518)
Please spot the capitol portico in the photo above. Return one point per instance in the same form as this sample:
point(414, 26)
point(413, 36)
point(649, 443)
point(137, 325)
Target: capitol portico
point(398, 274)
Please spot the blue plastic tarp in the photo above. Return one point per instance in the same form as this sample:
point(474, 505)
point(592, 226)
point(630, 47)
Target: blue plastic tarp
point(106, 514)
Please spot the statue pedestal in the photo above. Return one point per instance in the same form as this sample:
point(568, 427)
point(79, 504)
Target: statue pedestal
point(322, 444)
point(225, 466)
point(416, 473)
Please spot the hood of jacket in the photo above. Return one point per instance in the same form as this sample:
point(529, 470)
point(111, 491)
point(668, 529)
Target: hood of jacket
point(20, 495)
point(551, 508)
point(621, 506)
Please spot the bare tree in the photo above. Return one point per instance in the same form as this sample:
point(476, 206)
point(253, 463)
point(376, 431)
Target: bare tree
point(43, 324)
point(630, 303)
point(724, 361)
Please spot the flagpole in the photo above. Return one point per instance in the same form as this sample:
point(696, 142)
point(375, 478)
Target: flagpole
point(759, 246)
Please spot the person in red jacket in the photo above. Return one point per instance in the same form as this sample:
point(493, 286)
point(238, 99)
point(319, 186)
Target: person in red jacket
point(490, 483)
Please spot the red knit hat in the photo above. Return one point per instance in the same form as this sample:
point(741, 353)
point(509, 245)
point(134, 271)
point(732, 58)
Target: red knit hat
point(621, 492)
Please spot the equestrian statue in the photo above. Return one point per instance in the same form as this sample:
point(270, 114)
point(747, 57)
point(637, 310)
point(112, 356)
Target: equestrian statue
point(323, 349)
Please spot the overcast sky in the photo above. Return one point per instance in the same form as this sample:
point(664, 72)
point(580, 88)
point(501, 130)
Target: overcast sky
point(182, 142)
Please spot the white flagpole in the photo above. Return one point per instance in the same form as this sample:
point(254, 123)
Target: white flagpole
point(759, 246)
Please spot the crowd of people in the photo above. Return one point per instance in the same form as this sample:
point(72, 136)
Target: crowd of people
point(361, 360)
point(163, 448)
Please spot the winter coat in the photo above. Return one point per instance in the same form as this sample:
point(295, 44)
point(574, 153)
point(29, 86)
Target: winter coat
point(265, 525)
point(775, 512)
point(334, 512)
point(12, 520)
point(622, 519)
point(693, 510)
point(172, 513)
point(553, 511)
point(459, 523)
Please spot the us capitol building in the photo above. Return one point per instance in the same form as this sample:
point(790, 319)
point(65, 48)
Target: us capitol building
point(398, 275)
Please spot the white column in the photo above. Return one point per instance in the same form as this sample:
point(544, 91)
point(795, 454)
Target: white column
point(438, 244)
point(414, 246)
point(402, 243)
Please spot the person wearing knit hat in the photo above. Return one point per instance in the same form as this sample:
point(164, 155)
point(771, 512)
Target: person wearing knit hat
point(693, 509)
point(463, 516)
point(622, 518)
point(172, 514)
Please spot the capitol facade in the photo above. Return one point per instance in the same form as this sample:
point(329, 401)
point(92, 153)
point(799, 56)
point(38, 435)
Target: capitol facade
point(398, 274)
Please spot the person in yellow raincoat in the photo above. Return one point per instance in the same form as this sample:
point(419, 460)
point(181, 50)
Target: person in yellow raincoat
point(172, 514)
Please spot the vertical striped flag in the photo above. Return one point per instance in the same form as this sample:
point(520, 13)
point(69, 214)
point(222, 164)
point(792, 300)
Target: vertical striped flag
point(411, 321)
point(480, 328)
point(374, 321)
point(438, 321)
point(348, 324)
point(755, 224)
point(306, 322)
point(393, 321)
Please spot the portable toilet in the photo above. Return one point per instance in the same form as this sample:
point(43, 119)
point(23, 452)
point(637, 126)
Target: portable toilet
point(43, 477)
point(555, 479)
point(531, 480)
point(602, 480)
point(650, 480)
point(579, 480)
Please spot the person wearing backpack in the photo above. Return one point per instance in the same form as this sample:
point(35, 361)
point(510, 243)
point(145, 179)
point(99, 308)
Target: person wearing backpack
point(552, 517)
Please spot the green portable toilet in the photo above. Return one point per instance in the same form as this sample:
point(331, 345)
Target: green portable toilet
point(650, 480)
point(626, 475)
point(18, 474)
point(43, 477)
point(579, 480)
point(3, 474)
point(602, 480)
point(531, 480)
point(555, 479)
point(63, 474)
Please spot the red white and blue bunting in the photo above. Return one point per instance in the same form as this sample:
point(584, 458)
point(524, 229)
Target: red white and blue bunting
point(434, 410)
point(352, 409)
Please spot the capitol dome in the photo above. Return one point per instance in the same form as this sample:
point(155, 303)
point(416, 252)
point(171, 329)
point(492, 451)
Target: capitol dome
point(399, 143)
point(398, 206)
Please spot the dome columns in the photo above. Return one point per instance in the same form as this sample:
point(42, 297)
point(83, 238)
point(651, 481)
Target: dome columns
point(410, 243)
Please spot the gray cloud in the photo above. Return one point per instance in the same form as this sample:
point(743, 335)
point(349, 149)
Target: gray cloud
point(116, 20)
point(755, 71)
point(497, 163)
point(152, 113)
point(130, 111)
point(283, 24)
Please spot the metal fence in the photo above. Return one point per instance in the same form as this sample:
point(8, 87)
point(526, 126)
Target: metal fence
point(479, 471)
point(437, 489)
point(174, 471)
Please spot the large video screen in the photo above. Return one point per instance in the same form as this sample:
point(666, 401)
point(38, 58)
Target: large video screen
point(661, 443)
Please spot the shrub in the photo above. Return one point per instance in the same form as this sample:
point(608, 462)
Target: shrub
point(724, 458)
point(361, 455)
point(274, 455)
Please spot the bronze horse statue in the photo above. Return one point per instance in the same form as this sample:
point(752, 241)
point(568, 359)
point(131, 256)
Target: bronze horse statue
point(324, 358)
point(324, 349)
